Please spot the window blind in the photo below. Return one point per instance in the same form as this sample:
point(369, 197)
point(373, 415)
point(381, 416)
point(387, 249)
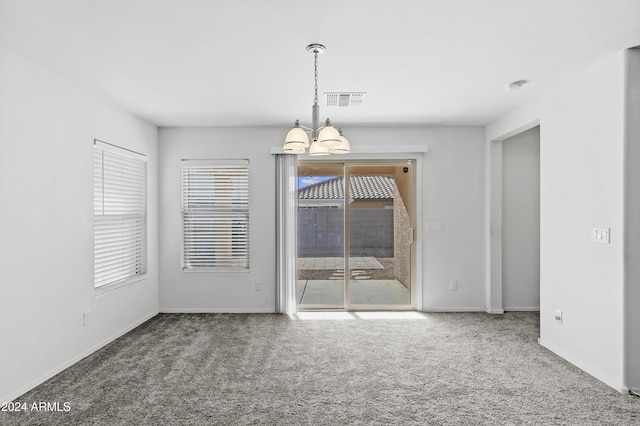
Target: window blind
point(120, 219)
point(215, 215)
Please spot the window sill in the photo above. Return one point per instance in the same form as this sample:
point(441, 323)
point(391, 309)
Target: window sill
point(114, 286)
point(216, 271)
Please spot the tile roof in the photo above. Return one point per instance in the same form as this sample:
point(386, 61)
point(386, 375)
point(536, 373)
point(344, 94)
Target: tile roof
point(360, 188)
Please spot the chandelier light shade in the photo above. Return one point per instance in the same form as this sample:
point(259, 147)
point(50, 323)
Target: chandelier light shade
point(342, 147)
point(328, 136)
point(326, 139)
point(317, 149)
point(297, 136)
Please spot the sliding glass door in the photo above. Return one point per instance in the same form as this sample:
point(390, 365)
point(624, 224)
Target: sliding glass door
point(321, 262)
point(355, 235)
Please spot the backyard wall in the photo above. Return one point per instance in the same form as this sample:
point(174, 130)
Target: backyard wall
point(401, 243)
point(321, 230)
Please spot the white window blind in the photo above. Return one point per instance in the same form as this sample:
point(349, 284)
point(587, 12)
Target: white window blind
point(215, 215)
point(120, 217)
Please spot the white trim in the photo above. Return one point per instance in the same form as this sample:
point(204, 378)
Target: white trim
point(215, 271)
point(215, 162)
point(106, 288)
point(521, 309)
point(461, 309)
point(73, 360)
point(366, 149)
point(218, 311)
point(578, 363)
point(419, 234)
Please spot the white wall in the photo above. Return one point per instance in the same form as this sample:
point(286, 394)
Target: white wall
point(453, 172)
point(582, 147)
point(521, 221)
point(582, 162)
point(219, 292)
point(47, 128)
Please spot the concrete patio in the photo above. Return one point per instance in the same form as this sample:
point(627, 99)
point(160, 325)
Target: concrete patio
point(317, 263)
point(364, 290)
point(330, 293)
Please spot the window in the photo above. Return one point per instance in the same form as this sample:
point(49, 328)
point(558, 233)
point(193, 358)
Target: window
point(120, 216)
point(215, 215)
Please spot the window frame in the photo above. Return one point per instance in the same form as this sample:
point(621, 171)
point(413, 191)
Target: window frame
point(242, 216)
point(135, 216)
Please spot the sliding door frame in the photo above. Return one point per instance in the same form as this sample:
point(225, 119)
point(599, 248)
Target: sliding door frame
point(414, 163)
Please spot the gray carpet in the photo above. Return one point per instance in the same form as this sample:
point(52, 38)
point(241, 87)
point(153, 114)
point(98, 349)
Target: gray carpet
point(471, 368)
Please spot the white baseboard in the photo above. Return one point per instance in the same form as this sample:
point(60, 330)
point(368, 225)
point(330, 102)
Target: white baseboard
point(217, 311)
point(433, 309)
point(578, 363)
point(63, 366)
point(522, 309)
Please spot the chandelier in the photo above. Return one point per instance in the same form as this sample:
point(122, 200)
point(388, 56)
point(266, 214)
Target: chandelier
point(326, 139)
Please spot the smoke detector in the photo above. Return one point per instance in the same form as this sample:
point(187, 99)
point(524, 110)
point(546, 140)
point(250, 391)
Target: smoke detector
point(344, 99)
point(518, 84)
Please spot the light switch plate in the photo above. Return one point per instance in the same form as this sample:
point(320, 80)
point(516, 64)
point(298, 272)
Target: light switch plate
point(558, 315)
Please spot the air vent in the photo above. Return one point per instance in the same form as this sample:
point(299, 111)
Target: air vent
point(344, 99)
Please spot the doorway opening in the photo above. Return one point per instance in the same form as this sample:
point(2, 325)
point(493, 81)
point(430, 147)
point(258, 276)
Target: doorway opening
point(355, 235)
point(521, 221)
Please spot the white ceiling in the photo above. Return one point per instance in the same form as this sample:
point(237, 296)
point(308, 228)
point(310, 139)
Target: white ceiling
point(244, 63)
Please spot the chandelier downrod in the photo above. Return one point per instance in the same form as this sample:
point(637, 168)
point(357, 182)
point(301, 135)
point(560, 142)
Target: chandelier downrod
point(326, 139)
point(316, 49)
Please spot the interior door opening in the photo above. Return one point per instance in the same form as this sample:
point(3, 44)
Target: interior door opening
point(355, 235)
point(521, 221)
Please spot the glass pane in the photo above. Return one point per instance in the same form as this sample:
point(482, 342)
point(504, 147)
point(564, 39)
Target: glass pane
point(379, 235)
point(320, 280)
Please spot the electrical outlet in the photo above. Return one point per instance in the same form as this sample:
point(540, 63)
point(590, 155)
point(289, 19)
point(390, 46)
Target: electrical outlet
point(258, 285)
point(601, 235)
point(86, 319)
point(559, 315)
point(453, 285)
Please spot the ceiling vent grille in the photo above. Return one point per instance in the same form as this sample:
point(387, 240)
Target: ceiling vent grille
point(344, 99)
